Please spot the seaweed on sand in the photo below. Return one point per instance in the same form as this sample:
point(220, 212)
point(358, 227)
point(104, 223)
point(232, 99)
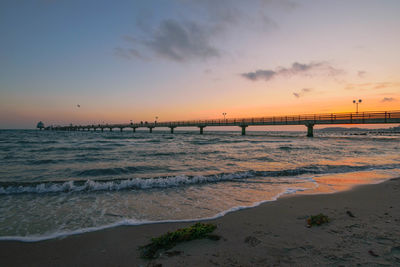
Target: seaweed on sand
point(317, 220)
point(170, 239)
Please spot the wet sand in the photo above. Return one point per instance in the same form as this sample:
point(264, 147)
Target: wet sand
point(272, 234)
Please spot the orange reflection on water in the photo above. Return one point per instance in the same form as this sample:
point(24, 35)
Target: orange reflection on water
point(340, 182)
point(359, 161)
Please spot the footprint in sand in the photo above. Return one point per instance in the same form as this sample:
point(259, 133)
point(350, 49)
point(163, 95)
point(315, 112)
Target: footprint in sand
point(252, 241)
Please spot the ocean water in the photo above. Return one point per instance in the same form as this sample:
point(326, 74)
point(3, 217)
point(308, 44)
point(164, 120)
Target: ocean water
point(54, 184)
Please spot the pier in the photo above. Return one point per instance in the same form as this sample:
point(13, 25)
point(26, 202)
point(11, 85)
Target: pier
point(308, 120)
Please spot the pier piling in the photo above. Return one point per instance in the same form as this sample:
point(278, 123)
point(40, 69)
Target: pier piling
point(243, 129)
point(310, 129)
point(201, 129)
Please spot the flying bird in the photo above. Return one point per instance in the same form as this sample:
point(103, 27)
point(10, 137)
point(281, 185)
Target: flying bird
point(78, 106)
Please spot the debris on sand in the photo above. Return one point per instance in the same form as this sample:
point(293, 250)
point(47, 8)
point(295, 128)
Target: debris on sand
point(317, 220)
point(372, 253)
point(170, 239)
point(350, 214)
point(252, 241)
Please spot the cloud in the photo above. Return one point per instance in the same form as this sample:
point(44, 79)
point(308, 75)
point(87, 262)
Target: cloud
point(127, 53)
point(181, 41)
point(371, 86)
point(388, 99)
point(226, 14)
point(193, 33)
point(361, 73)
point(285, 4)
point(302, 92)
point(260, 75)
point(296, 69)
point(172, 40)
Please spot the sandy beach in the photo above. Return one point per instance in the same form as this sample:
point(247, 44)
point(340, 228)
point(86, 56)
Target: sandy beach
point(272, 234)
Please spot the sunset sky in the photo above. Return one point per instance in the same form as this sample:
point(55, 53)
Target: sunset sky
point(187, 59)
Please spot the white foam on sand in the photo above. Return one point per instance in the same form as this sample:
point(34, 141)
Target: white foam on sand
point(132, 222)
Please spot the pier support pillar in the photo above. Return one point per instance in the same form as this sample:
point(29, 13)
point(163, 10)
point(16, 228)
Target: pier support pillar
point(243, 129)
point(172, 129)
point(134, 129)
point(201, 129)
point(121, 129)
point(102, 129)
point(110, 129)
point(151, 129)
point(310, 129)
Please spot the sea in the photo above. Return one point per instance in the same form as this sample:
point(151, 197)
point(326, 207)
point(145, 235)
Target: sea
point(56, 183)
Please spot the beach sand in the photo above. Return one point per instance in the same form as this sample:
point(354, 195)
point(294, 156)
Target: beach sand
point(272, 234)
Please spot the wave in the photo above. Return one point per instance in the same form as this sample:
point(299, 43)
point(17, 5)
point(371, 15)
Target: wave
point(123, 136)
point(71, 149)
point(39, 142)
point(132, 222)
point(114, 185)
point(120, 170)
point(162, 154)
point(44, 161)
point(10, 188)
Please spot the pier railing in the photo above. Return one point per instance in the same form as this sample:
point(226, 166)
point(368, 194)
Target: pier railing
point(368, 117)
point(326, 118)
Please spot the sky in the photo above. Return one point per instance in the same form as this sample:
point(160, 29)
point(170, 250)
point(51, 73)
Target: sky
point(190, 59)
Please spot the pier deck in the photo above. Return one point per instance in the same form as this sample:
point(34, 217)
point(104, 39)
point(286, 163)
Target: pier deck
point(308, 120)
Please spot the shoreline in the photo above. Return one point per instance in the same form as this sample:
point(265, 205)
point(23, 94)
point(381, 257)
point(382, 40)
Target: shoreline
point(62, 235)
point(320, 188)
point(247, 235)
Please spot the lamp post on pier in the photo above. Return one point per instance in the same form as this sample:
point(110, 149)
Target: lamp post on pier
point(357, 102)
point(224, 113)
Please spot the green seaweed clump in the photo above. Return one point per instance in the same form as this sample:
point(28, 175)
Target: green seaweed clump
point(170, 239)
point(317, 220)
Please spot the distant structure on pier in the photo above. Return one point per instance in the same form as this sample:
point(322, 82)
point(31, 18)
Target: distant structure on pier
point(40, 125)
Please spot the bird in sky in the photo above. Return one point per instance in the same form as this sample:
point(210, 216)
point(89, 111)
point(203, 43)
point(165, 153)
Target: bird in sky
point(78, 106)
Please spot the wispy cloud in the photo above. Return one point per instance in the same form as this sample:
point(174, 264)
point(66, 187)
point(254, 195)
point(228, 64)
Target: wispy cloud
point(128, 53)
point(181, 41)
point(302, 92)
point(184, 38)
point(388, 99)
point(371, 86)
point(173, 40)
point(295, 69)
point(361, 73)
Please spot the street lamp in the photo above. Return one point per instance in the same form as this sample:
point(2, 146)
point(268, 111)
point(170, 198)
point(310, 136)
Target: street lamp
point(357, 102)
point(224, 115)
point(156, 119)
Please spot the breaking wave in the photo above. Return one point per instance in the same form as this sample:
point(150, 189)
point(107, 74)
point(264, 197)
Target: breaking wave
point(8, 188)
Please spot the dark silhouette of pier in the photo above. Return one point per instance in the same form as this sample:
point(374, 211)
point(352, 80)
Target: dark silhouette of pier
point(308, 120)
